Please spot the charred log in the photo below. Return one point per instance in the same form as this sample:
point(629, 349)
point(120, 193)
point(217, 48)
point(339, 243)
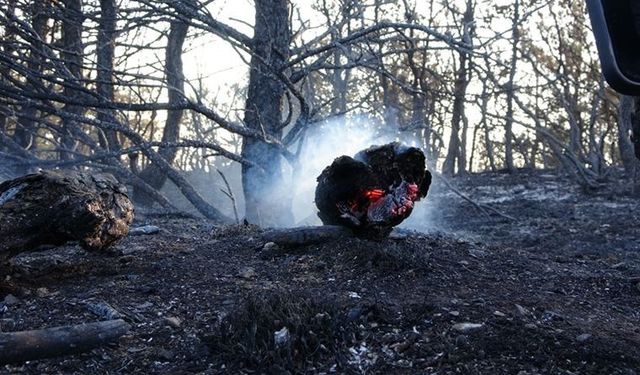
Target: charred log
point(23, 346)
point(301, 236)
point(53, 207)
point(373, 191)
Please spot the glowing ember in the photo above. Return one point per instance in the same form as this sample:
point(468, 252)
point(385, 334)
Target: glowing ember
point(374, 195)
point(374, 190)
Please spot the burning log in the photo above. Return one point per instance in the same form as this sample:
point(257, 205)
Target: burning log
point(53, 207)
point(373, 191)
point(23, 346)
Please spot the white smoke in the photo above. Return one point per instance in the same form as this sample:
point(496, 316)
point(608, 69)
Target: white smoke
point(324, 143)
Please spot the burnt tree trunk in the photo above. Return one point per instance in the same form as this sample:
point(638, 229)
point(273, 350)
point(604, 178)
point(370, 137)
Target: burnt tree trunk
point(508, 127)
point(72, 57)
point(635, 126)
point(625, 146)
point(174, 74)
point(104, 80)
point(26, 125)
point(263, 112)
point(455, 151)
point(53, 207)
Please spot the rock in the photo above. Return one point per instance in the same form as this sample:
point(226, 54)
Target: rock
point(530, 326)
point(103, 310)
point(247, 273)
point(173, 321)
point(550, 316)
point(145, 229)
point(281, 337)
point(42, 292)
point(395, 235)
point(454, 313)
point(354, 313)
point(522, 311)
point(462, 341)
point(499, 314)
point(7, 325)
point(165, 354)
point(583, 337)
point(144, 306)
point(467, 327)
point(270, 246)
point(10, 299)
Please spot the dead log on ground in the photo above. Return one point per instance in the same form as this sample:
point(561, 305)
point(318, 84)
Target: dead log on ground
point(53, 207)
point(53, 342)
point(291, 237)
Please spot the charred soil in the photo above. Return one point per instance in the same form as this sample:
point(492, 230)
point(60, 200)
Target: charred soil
point(557, 291)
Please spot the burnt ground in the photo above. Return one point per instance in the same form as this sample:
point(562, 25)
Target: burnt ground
point(555, 292)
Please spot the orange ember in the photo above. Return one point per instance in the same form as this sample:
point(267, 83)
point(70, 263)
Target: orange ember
point(374, 194)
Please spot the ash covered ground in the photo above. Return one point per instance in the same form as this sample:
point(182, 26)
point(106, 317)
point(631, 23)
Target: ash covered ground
point(557, 291)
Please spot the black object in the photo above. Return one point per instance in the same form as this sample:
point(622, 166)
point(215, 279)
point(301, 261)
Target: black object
point(374, 190)
point(616, 26)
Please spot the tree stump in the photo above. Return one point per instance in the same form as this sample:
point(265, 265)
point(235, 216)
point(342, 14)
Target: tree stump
point(53, 207)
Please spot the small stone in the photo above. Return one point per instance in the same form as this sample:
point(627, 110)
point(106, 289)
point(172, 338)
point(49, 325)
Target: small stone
point(10, 299)
point(145, 229)
point(7, 325)
point(247, 273)
point(462, 341)
point(42, 292)
point(281, 337)
point(467, 327)
point(165, 354)
point(583, 337)
point(499, 314)
point(550, 316)
point(173, 321)
point(270, 246)
point(522, 311)
point(530, 326)
point(395, 235)
point(354, 313)
point(144, 306)
point(454, 313)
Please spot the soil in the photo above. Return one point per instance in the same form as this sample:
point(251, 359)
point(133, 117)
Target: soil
point(557, 291)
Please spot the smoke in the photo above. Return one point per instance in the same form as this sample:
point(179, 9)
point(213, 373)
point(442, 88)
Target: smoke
point(324, 143)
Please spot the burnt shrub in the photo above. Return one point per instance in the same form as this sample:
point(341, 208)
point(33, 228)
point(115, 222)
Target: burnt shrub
point(319, 333)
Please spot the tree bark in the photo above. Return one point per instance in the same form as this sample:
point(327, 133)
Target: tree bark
point(625, 124)
point(23, 346)
point(635, 126)
point(263, 112)
point(174, 74)
point(72, 57)
point(508, 128)
point(26, 126)
point(459, 92)
point(104, 78)
point(53, 207)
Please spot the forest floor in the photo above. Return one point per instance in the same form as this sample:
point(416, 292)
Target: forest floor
point(555, 292)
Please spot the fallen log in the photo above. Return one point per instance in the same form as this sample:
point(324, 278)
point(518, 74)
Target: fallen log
point(300, 236)
point(53, 207)
point(23, 346)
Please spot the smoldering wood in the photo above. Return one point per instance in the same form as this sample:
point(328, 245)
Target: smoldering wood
point(374, 190)
point(301, 236)
point(54, 207)
point(23, 346)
